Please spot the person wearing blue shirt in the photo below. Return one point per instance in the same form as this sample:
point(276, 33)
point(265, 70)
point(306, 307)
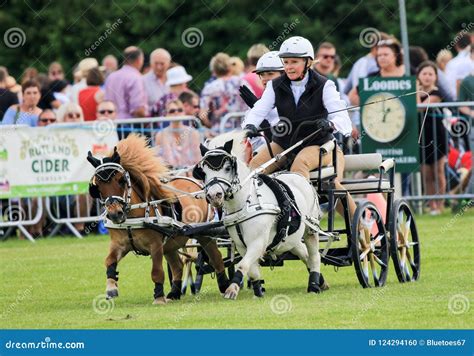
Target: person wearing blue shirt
point(27, 112)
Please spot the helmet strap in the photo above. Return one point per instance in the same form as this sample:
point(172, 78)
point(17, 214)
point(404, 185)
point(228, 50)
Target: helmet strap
point(301, 77)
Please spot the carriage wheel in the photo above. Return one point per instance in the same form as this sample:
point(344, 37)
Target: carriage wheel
point(404, 243)
point(369, 246)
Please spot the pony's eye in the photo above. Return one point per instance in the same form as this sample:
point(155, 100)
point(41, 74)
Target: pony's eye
point(122, 181)
point(227, 169)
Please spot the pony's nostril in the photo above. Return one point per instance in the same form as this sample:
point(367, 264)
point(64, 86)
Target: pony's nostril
point(219, 195)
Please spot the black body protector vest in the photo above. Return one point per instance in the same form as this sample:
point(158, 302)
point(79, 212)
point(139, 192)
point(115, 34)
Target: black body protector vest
point(303, 115)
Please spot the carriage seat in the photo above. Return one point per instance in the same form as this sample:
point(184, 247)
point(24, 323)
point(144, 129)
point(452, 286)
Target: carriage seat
point(367, 162)
point(359, 162)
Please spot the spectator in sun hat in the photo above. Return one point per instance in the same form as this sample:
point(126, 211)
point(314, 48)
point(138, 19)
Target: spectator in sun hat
point(83, 69)
point(177, 80)
point(155, 79)
point(125, 86)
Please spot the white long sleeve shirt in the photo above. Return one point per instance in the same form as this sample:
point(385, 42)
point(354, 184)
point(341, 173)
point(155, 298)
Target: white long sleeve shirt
point(331, 100)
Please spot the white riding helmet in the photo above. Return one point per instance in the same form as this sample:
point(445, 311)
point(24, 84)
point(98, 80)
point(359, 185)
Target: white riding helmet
point(269, 62)
point(296, 47)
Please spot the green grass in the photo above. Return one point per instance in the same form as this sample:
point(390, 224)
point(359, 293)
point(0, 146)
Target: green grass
point(52, 284)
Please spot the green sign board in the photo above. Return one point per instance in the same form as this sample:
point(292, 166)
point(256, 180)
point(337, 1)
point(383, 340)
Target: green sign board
point(390, 127)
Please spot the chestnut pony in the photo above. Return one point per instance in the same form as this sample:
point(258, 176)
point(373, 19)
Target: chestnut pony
point(133, 174)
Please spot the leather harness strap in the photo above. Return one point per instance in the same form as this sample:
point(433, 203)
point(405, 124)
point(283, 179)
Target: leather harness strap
point(173, 210)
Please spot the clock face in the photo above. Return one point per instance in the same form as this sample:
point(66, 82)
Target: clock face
point(383, 121)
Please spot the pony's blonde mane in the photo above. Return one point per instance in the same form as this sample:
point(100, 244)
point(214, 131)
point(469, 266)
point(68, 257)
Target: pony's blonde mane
point(144, 167)
point(238, 148)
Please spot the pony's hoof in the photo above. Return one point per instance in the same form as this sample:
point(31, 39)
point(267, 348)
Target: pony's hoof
point(232, 292)
point(314, 289)
point(173, 296)
point(222, 282)
point(112, 293)
point(258, 289)
point(159, 301)
point(324, 286)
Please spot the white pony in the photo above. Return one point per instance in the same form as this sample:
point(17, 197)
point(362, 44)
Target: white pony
point(252, 211)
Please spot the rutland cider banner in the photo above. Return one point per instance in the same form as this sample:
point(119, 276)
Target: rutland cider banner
point(46, 161)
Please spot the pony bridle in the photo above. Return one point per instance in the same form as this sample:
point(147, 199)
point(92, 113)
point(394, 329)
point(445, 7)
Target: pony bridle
point(105, 172)
point(215, 160)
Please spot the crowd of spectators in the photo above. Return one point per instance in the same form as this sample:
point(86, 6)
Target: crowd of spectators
point(154, 85)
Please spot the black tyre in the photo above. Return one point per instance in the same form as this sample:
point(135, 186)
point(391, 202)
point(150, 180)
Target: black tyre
point(404, 242)
point(369, 246)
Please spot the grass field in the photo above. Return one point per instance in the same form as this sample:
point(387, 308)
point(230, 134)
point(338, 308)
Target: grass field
point(59, 283)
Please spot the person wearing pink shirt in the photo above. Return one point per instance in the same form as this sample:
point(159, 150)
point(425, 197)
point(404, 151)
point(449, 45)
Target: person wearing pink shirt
point(125, 87)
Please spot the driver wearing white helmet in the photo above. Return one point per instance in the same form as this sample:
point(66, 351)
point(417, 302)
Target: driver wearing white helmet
point(303, 99)
point(269, 67)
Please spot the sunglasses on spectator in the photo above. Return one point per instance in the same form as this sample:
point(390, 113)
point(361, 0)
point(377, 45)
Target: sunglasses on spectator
point(45, 120)
point(73, 115)
point(172, 111)
point(102, 112)
point(196, 106)
point(326, 56)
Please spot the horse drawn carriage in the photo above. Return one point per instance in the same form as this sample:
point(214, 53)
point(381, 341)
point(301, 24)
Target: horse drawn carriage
point(366, 240)
point(370, 238)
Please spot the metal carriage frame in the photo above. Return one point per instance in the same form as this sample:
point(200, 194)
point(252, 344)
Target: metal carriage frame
point(372, 239)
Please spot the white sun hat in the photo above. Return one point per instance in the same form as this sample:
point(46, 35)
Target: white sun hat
point(177, 75)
